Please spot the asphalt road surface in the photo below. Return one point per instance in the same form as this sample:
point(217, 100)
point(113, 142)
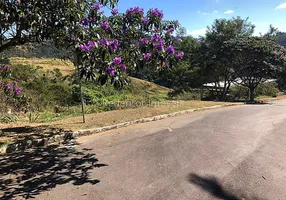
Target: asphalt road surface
point(229, 153)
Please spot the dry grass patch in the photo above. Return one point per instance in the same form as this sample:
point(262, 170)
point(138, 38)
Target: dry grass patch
point(66, 67)
point(119, 116)
point(265, 99)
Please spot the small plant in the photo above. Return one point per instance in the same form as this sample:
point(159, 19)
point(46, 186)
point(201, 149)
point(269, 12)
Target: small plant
point(33, 117)
point(7, 118)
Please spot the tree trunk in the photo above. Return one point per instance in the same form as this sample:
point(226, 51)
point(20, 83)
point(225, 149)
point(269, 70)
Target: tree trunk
point(251, 94)
point(76, 63)
point(202, 93)
point(82, 100)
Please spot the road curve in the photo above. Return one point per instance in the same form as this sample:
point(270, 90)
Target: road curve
point(229, 153)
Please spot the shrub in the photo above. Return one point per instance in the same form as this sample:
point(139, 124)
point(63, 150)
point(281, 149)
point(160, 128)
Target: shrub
point(86, 93)
point(267, 89)
point(238, 92)
point(44, 89)
point(62, 93)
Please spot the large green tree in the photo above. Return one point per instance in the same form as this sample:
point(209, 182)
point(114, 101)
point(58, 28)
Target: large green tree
point(213, 59)
point(255, 60)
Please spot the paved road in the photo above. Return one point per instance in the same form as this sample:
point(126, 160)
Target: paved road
point(229, 153)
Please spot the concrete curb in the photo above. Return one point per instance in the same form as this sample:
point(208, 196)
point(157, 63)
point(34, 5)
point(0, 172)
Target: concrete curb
point(18, 146)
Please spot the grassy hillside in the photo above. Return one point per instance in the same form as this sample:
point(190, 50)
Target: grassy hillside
point(53, 91)
point(67, 68)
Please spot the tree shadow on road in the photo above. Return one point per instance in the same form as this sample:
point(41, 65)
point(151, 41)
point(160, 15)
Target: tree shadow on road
point(211, 185)
point(23, 133)
point(216, 189)
point(26, 174)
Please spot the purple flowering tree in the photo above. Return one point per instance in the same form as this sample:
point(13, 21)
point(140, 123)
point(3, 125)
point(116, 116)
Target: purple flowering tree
point(36, 21)
point(10, 92)
point(106, 49)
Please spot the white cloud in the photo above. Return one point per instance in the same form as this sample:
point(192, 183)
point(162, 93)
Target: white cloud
point(215, 11)
point(200, 12)
point(217, 1)
point(281, 6)
point(197, 32)
point(229, 12)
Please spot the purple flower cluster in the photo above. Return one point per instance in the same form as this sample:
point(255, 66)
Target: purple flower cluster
point(110, 71)
point(104, 26)
point(91, 43)
point(18, 91)
point(160, 45)
point(103, 42)
point(87, 47)
point(155, 38)
point(84, 47)
point(146, 56)
point(11, 87)
point(5, 68)
point(84, 22)
point(96, 6)
point(114, 11)
point(123, 67)
point(144, 20)
point(135, 10)
point(180, 55)
point(170, 50)
point(157, 13)
point(113, 45)
point(144, 41)
point(171, 31)
point(117, 61)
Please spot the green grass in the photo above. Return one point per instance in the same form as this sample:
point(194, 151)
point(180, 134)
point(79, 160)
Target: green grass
point(57, 100)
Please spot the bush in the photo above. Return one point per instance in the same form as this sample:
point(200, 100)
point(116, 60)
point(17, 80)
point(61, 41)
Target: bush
point(44, 89)
point(267, 89)
point(86, 93)
point(239, 92)
point(44, 94)
point(62, 93)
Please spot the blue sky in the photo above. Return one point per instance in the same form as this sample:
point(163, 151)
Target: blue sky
point(196, 15)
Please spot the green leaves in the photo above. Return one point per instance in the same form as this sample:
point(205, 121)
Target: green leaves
point(255, 59)
point(36, 20)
